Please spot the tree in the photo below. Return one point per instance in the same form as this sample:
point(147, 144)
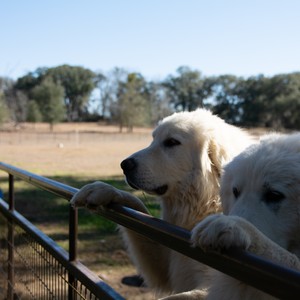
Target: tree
point(247, 102)
point(31, 80)
point(5, 85)
point(284, 90)
point(115, 79)
point(188, 89)
point(159, 102)
point(49, 97)
point(226, 101)
point(78, 83)
point(270, 101)
point(131, 107)
point(254, 100)
point(4, 113)
point(34, 114)
point(14, 100)
point(104, 85)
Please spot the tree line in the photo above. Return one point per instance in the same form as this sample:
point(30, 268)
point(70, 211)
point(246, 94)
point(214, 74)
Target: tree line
point(72, 93)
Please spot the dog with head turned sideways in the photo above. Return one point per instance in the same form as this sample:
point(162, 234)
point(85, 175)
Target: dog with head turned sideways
point(182, 168)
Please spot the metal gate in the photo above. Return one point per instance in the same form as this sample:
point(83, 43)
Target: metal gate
point(32, 266)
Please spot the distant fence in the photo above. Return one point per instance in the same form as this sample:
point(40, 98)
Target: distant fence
point(68, 138)
point(32, 266)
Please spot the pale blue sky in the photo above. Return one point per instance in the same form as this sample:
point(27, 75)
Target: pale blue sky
point(152, 37)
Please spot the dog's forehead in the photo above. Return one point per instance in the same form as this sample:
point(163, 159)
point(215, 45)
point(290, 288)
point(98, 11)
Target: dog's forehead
point(172, 128)
point(274, 160)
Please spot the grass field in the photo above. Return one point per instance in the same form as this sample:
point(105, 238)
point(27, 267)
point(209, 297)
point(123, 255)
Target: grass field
point(76, 154)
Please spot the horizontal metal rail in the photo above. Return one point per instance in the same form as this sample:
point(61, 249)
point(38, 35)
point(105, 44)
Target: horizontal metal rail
point(271, 278)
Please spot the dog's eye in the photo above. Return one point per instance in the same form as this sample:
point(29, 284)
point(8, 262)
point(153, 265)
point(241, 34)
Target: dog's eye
point(236, 192)
point(272, 196)
point(171, 142)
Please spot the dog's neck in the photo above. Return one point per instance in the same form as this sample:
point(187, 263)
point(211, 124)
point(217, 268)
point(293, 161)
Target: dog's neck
point(186, 215)
point(191, 201)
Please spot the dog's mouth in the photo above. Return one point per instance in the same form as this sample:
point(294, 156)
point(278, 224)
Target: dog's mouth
point(155, 191)
point(161, 190)
point(132, 184)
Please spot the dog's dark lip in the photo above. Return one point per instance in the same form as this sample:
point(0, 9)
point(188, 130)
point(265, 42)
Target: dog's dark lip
point(161, 190)
point(156, 191)
point(132, 184)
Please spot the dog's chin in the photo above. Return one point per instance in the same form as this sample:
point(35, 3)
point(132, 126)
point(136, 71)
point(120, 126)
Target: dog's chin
point(161, 190)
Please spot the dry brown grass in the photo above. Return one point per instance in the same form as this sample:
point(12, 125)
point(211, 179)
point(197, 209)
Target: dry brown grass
point(84, 149)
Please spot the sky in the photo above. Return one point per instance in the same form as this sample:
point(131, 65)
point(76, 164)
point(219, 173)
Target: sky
point(154, 37)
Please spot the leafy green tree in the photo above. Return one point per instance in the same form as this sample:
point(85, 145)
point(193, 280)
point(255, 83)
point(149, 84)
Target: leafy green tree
point(254, 100)
point(78, 84)
point(4, 113)
point(269, 101)
point(5, 84)
point(284, 90)
point(31, 80)
point(106, 94)
point(131, 107)
point(115, 79)
point(159, 102)
point(226, 101)
point(16, 102)
point(49, 97)
point(34, 114)
point(188, 89)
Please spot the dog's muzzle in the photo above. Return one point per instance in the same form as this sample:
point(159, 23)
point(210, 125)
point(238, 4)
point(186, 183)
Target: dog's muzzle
point(129, 167)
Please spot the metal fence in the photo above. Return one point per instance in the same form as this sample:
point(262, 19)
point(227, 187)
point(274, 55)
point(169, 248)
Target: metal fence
point(32, 266)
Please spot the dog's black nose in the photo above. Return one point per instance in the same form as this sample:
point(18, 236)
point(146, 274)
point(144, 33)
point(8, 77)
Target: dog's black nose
point(128, 164)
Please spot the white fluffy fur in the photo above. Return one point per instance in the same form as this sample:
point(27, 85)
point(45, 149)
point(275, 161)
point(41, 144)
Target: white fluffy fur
point(191, 171)
point(263, 217)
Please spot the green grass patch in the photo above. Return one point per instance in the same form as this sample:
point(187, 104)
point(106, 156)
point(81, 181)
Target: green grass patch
point(42, 207)
point(99, 244)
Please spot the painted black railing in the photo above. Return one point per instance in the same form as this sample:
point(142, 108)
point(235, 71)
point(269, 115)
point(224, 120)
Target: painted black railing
point(276, 280)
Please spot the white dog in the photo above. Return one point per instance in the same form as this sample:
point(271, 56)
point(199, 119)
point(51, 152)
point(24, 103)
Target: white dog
point(182, 167)
point(260, 195)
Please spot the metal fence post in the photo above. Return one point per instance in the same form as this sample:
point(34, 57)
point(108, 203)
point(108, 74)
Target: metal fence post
point(73, 224)
point(10, 238)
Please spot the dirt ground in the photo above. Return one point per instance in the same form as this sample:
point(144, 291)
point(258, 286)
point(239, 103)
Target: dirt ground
point(85, 150)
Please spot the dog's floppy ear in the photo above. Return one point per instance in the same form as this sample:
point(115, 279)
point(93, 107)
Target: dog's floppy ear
point(217, 156)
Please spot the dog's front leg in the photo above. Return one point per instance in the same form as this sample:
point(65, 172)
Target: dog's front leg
point(218, 232)
point(100, 194)
point(149, 257)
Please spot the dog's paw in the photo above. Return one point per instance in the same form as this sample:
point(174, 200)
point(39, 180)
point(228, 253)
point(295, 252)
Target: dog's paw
point(94, 195)
point(217, 232)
